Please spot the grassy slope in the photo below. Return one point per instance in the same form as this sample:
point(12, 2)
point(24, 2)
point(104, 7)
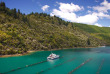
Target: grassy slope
point(102, 33)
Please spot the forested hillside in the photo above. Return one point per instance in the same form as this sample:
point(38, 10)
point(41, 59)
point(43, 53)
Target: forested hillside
point(40, 31)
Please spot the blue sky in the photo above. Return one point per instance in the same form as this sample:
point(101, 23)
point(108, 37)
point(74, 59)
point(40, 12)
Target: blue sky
point(92, 12)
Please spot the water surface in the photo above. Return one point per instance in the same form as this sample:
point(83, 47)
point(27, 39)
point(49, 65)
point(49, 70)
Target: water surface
point(71, 58)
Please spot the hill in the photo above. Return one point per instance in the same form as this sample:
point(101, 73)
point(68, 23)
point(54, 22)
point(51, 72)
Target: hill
point(102, 33)
point(40, 31)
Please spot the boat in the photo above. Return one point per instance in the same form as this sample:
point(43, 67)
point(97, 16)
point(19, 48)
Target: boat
point(52, 56)
point(103, 46)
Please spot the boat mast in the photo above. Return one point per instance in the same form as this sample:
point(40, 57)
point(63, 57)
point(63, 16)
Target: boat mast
point(51, 51)
point(50, 48)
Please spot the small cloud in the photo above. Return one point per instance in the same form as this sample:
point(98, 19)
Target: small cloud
point(57, 3)
point(99, 25)
point(89, 11)
point(103, 7)
point(45, 7)
point(101, 15)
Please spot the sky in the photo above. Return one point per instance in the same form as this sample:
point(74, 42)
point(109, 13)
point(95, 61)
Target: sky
point(92, 12)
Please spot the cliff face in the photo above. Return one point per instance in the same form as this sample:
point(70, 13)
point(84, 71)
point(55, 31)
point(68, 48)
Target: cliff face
point(39, 31)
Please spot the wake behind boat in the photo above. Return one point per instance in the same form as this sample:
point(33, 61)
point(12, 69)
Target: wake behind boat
point(52, 56)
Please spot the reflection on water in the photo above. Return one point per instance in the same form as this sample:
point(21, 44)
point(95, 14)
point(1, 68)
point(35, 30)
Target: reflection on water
point(101, 50)
point(51, 61)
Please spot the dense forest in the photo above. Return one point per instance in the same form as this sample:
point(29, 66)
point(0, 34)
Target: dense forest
point(40, 31)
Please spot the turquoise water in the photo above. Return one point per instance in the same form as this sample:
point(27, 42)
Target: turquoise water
point(70, 59)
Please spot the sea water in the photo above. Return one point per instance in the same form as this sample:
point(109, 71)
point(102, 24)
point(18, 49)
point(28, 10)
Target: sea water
point(70, 59)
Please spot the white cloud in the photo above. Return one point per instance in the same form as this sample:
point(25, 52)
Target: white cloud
point(45, 7)
point(66, 15)
point(66, 7)
point(92, 17)
point(67, 12)
point(100, 9)
point(88, 19)
point(101, 15)
point(99, 25)
point(89, 11)
point(104, 7)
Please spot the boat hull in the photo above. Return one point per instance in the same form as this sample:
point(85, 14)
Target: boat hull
point(52, 58)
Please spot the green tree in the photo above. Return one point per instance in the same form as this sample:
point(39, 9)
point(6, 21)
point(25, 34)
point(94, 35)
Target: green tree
point(2, 6)
point(24, 18)
point(14, 13)
point(19, 11)
point(88, 41)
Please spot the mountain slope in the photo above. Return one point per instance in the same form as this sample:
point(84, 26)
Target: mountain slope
point(39, 31)
point(102, 33)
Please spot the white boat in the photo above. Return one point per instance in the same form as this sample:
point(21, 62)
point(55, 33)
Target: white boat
point(52, 56)
point(103, 46)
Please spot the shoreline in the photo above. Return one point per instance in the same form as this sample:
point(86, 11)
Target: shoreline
point(31, 51)
point(27, 53)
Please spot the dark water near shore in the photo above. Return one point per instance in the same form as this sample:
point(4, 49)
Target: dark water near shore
point(71, 59)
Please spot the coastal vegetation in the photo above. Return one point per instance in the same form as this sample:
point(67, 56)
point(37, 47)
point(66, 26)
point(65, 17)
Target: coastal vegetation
point(20, 33)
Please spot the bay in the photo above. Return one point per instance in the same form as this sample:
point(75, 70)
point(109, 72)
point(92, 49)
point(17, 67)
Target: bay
point(70, 59)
